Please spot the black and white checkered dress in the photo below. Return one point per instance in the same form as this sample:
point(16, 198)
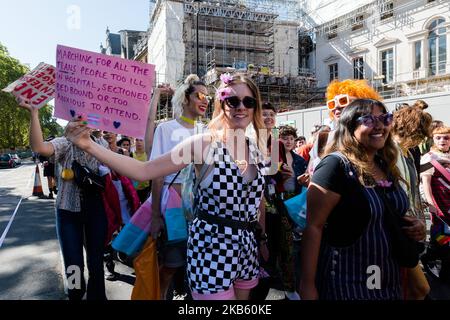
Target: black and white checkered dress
point(219, 255)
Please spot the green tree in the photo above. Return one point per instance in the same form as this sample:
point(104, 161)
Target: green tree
point(49, 125)
point(14, 121)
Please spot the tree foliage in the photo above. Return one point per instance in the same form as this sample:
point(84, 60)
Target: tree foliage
point(14, 121)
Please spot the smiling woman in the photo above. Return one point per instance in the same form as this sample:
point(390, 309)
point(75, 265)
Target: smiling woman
point(346, 238)
point(228, 198)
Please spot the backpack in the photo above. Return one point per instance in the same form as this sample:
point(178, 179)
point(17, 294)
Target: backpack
point(189, 189)
point(189, 186)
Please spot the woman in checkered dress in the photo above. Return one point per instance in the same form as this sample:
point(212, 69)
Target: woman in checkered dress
point(222, 244)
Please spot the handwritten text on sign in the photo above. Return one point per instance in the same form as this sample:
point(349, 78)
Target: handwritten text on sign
point(38, 85)
point(112, 93)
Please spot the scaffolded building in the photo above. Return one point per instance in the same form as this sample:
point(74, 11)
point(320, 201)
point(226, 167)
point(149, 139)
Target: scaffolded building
point(251, 36)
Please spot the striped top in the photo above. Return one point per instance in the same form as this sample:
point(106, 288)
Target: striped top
point(364, 269)
point(346, 271)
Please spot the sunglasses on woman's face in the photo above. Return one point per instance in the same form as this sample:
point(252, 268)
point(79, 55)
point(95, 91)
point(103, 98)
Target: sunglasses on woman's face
point(235, 102)
point(370, 120)
point(201, 96)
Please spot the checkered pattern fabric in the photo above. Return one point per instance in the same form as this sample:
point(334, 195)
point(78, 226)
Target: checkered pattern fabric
point(219, 255)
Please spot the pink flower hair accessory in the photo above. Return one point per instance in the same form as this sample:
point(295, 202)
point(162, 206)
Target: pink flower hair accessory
point(384, 183)
point(224, 93)
point(226, 78)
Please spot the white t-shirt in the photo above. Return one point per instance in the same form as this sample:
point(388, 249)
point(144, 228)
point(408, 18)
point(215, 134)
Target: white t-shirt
point(314, 159)
point(167, 136)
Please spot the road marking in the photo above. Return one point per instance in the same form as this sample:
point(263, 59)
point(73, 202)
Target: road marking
point(9, 223)
point(29, 181)
point(3, 237)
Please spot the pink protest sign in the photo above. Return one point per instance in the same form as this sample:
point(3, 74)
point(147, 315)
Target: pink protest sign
point(112, 93)
point(38, 85)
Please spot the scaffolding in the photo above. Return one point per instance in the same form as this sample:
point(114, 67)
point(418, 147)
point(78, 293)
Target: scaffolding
point(237, 35)
point(285, 91)
point(165, 110)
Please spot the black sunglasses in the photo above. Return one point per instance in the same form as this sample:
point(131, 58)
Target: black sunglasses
point(234, 102)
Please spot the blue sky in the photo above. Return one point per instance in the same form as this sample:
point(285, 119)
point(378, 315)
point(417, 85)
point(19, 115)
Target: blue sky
point(31, 29)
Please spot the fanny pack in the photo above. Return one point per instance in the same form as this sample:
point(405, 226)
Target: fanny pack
point(86, 179)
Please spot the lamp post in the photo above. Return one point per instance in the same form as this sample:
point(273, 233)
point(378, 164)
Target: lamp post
point(196, 34)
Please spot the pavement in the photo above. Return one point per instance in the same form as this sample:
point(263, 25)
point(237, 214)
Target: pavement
point(32, 267)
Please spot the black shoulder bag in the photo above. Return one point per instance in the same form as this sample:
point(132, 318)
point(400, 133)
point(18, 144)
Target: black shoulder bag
point(86, 179)
point(405, 251)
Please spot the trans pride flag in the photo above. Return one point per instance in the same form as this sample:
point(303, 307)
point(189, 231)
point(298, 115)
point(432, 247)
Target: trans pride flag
point(135, 233)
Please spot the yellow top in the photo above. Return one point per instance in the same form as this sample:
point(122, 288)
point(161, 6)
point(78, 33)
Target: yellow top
point(137, 184)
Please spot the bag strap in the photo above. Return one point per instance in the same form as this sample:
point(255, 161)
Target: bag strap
point(349, 171)
point(174, 178)
point(206, 165)
point(441, 169)
point(203, 171)
point(196, 131)
point(442, 220)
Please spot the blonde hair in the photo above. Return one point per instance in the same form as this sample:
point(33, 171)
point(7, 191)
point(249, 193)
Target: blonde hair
point(218, 118)
point(180, 99)
point(439, 130)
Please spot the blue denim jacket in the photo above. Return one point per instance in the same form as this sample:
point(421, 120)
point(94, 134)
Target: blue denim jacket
point(299, 166)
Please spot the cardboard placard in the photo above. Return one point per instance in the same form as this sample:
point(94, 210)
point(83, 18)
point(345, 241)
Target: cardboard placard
point(112, 93)
point(38, 85)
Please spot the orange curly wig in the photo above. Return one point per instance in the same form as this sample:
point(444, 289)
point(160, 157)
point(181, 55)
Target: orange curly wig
point(355, 88)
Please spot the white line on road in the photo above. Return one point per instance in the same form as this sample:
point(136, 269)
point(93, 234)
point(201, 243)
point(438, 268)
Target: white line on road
point(3, 237)
point(29, 181)
point(9, 223)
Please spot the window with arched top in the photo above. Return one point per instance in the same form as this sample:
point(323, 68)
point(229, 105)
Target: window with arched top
point(437, 46)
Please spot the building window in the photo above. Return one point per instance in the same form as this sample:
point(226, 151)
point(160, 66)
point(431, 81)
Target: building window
point(386, 9)
point(357, 22)
point(387, 65)
point(417, 55)
point(437, 44)
point(332, 33)
point(358, 68)
point(333, 69)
